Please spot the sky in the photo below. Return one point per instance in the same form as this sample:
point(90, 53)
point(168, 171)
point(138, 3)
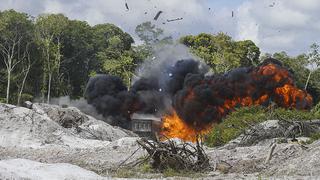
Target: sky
point(274, 25)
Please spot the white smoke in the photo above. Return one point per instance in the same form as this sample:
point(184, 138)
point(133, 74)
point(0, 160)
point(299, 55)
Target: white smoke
point(164, 56)
point(81, 104)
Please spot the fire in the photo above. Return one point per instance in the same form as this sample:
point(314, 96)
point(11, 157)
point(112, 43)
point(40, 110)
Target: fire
point(174, 127)
point(291, 97)
point(267, 83)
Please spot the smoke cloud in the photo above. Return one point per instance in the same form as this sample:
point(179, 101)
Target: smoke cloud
point(175, 81)
point(157, 81)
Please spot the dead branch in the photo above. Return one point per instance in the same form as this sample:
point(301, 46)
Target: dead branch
point(270, 153)
point(177, 156)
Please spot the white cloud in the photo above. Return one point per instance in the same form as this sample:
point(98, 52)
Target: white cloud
point(195, 13)
point(290, 25)
point(247, 27)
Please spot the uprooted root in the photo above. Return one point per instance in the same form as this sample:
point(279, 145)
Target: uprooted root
point(177, 156)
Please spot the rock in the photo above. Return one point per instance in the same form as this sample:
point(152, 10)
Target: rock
point(66, 117)
point(83, 125)
point(27, 104)
point(46, 124)
point(27, 169)
point(95, 129)
point(275, 130)
point(43, 135)
point(33, 134)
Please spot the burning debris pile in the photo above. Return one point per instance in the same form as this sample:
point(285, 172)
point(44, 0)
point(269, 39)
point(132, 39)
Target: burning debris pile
point(189, 101)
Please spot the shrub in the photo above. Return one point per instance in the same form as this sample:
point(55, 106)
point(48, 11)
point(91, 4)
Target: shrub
point(243, 118)
point(235, 124)
point(169, 172)
point(292, 115)
point(316, 109)
point(2, 100)
point(26, 97)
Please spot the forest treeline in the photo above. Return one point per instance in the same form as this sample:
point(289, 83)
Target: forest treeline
point(51, 55)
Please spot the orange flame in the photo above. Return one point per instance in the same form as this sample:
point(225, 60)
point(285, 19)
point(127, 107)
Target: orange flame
point(174, 127)
point(287, 96)
point(291, 96)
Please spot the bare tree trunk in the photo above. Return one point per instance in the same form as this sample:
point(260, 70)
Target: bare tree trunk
point(49, 87)
point(43, 87)
point(23, 83)
point(8, 86)
point(306, 86)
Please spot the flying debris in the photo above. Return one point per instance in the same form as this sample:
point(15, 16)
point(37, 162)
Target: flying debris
point(145, 13)
point(157, 15)
point(176, 19)
point(232, 14)
point(127, 7)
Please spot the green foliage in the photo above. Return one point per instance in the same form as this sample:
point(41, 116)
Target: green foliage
point(169, 172)
point(235, 124)
point(313, 137)
point(109, 36)
point(2, 100)
point(125, 173)
point(114, 54)
point(314, 56)
point(78, 56)
point(150, 34)
point(13, 23)
point(146, 171)
point(316, 109)
point(123, 67)
point(146, 168)
point(72, 51)
point(291, 115)
point(221, 53)
point(241, 119)
point(49, 32)
point(152, 37)
point(26, 97)
point(16, 39)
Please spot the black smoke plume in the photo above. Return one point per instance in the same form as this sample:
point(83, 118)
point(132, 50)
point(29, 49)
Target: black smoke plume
point(148, 95)
point(198, 99)
point(206, 99)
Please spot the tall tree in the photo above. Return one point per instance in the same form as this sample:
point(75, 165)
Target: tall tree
point(15, 36)
point(152, 37)
point(25, 69)
point(150, 34)
point(78, 55)
point(114, 52)
point(49, 30)
point(313, 61)
point(222, 53)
